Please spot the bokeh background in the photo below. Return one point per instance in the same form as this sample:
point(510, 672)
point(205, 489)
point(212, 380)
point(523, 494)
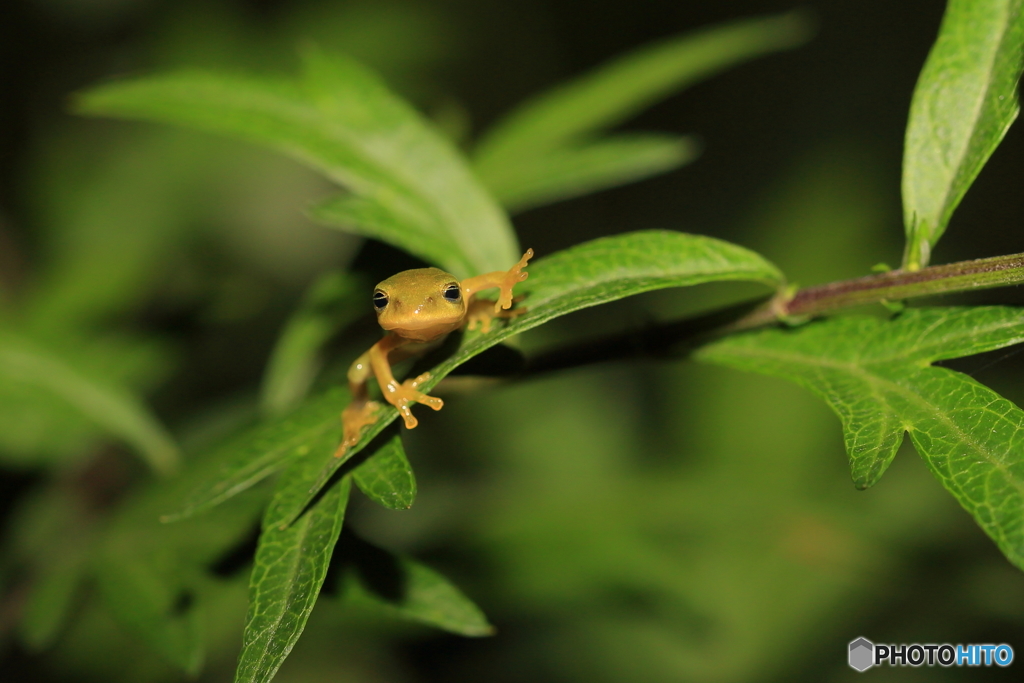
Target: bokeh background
point(650, 521)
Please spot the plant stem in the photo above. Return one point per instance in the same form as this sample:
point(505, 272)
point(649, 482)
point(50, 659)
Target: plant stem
point(681, 337)
point(896, 285)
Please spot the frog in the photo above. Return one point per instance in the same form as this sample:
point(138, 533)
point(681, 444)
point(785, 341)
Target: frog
point(417, 309)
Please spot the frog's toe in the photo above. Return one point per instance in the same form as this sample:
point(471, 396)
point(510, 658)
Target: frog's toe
point(432, 402)
point(410, 419)
point(413, 383)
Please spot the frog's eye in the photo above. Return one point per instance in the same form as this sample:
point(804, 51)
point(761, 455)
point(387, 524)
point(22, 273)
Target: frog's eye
point(380, 300)
point(452, 292)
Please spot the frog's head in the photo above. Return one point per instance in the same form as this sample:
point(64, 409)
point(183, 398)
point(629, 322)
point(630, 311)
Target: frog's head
point(420, 304)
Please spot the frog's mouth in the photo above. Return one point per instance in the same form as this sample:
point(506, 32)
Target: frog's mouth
point(417, 324)
point(423, 333)
point(420, 318)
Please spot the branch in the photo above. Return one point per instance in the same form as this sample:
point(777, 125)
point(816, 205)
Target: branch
point(681, 337)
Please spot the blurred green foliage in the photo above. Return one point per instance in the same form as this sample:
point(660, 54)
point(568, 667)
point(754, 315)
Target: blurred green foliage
point(658, 521)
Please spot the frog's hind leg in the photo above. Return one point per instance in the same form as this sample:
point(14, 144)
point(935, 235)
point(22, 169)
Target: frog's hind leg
point(361, 412)
point(354, 418)
point(481, 312)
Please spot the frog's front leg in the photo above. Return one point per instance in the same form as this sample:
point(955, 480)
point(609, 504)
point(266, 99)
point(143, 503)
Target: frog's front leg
point(400, 395)
point(503, 280)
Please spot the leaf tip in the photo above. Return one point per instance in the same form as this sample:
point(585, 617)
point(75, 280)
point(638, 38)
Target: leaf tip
point(866, 475)
point(479, 629)
point(798, 26)
point(91, 101)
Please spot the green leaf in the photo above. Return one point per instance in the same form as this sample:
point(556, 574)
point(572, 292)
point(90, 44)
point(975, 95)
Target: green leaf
point(113, 210)
point(630, 84)
point(586, 275)
point(40, 426)
point(558, 128)
point(154, 577)
point(414, 188)
point(964, 102)
point(573, 171)
point(332, 302)
point(111, 407)
point(260, 451)
point(387, 476)
point(589, 274)
point(407, 589)
point(142, 594)
point(37, 426)
point(289, 570)
point(50, 600)
point(876, 375)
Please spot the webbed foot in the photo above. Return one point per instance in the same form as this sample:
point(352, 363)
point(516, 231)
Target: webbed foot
point(514, 276)
point(353, 419)
point(401, 395)
point(482, 311)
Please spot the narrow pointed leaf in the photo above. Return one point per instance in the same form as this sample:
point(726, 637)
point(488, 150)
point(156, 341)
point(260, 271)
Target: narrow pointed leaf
point(964, 102)
point(627, 85)
point(876, 375)
point(289, 570)
point(543, 144)
point(569, 172)
point(387, 477)
point(589, 274)
point(145, 600)
point(340, 119)
point(408, 589)
point(429, 598)
point(113, 408)
point(259, 452)
point(51, 599)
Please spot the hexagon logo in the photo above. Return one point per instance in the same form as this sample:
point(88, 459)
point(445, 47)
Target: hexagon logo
point(862, 654)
